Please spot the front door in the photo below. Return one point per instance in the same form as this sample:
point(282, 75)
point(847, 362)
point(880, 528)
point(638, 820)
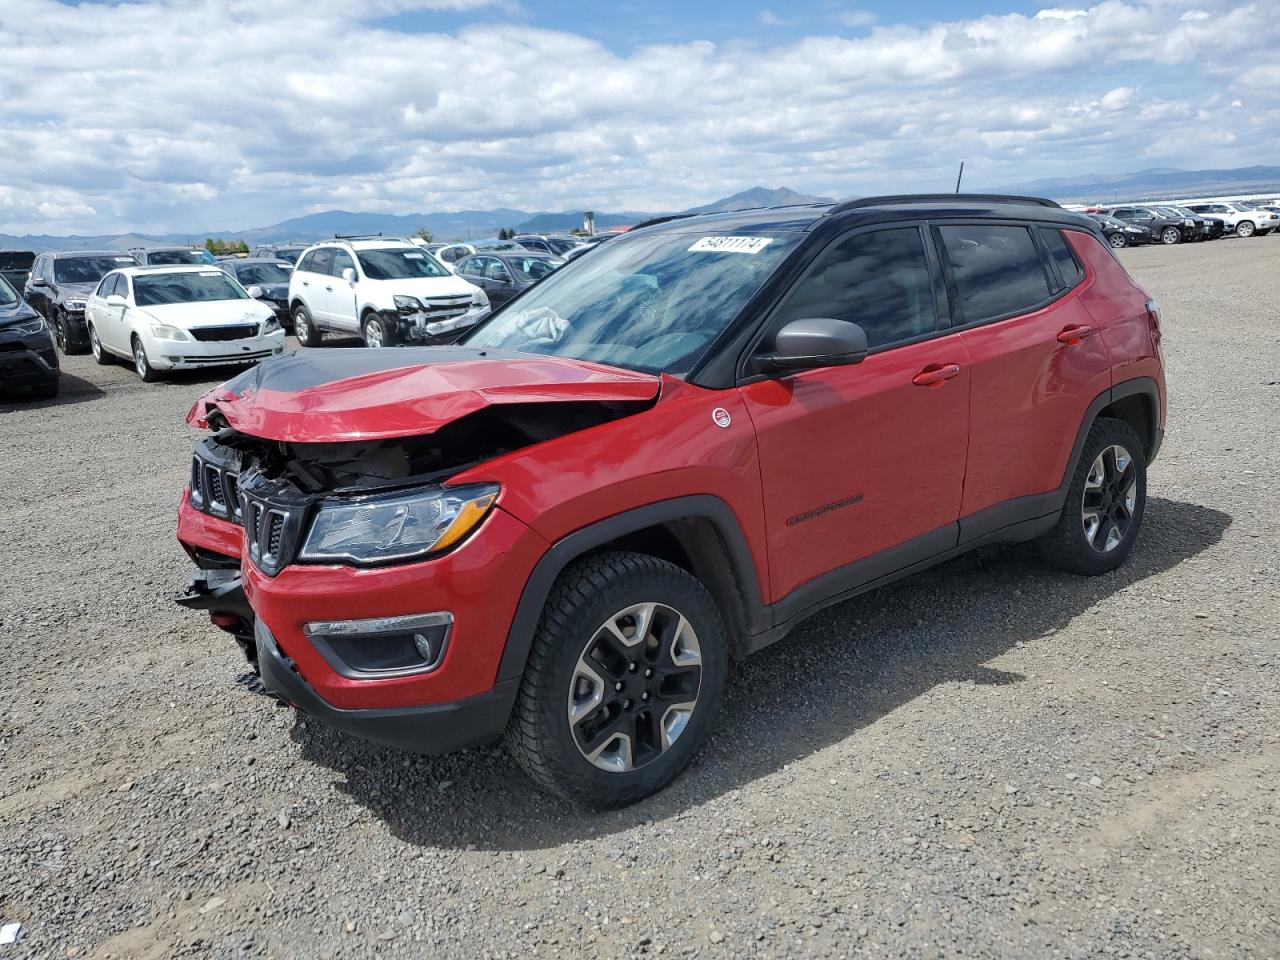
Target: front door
point(859, 460)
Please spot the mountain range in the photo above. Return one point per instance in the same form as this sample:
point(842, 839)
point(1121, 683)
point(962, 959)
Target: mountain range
point(460, 225)
point(1155, 184)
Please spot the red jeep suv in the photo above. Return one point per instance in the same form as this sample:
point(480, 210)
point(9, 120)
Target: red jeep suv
point(662, 457)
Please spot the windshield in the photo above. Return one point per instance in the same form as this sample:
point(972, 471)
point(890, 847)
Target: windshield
point(199, 287)
point(174, 257)
point(265, 274)
point(8, 296)
point(402, 263)
point(88, 269)
point(532, 269)
point(653, 304)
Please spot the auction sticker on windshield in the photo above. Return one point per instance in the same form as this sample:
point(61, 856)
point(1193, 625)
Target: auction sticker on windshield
point(731, 244)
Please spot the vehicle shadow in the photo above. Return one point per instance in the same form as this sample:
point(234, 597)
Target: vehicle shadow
point(841, 670)
point(71, 389)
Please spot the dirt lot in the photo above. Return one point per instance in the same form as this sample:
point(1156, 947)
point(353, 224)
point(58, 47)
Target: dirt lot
point(987, 760)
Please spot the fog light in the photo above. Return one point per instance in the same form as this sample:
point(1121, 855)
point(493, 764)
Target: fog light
point(424, 647)
point(382, 646)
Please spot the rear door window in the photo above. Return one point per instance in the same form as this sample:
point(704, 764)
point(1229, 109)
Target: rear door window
point(1069, 269)
point(997, 270)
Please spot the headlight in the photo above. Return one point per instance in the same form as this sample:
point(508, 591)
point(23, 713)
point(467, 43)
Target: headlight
point(74, 305)
point(479, 300)
point(270, 325)
point(1132, 229)
point(408, 304)
point(399, 526)
point(162, 331)
point(29, 328)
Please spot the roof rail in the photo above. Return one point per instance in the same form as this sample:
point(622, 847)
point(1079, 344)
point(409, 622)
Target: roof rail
point(654, 221)
point(861, 202)
point(359, 236)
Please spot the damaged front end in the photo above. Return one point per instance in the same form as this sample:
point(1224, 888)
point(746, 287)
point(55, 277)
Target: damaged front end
point(361, 502)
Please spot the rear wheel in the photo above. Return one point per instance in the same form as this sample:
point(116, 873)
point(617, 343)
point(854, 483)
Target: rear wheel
point(626, 673)
point(1171, 235)
point(1244, 228)
point(1116, 240)
point(1105, 503)
point(95, 347)
point(303, 327)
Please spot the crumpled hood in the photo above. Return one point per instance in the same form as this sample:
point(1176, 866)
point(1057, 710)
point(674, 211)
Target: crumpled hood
point(76, 291)
point(335, 396)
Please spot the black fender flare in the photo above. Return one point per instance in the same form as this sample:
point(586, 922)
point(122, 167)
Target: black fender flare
point(564, 551)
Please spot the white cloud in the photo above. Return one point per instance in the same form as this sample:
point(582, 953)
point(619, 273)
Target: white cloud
point(856, 19)
point(771, 19)
point(166, 115)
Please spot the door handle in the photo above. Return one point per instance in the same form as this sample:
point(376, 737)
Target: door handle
point(306, 283)
point(330, 289)
point(1074, 334)
point(936, 374)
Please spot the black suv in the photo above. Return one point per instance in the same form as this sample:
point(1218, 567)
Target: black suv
point(1166, 229)
point(60, 285)
point(15, 266)
point(27, 357)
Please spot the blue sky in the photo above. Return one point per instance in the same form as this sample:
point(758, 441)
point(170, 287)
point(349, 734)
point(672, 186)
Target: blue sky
point(198, 115)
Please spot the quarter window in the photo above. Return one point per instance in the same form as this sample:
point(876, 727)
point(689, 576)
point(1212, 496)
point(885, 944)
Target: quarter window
point(880, 281)
point(1060, 252)
point(997, 270)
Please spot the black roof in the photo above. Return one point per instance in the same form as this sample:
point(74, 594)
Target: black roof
point(804, 217)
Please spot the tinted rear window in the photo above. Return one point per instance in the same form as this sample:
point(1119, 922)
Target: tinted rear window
point(997, 270)
point(1060, 252)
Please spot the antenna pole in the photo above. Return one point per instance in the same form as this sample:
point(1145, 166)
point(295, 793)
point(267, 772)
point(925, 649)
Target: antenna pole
point(959, 176)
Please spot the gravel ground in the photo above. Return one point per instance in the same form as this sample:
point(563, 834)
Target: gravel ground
point(985, 760)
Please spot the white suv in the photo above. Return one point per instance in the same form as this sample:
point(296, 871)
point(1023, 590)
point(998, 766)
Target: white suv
point(387, 291)
point(1245, 220)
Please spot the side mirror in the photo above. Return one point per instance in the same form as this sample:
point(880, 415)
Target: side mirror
point(36, 282)
point(815, 342)
point(349, 275)
point(256, 292)
point(115, 300)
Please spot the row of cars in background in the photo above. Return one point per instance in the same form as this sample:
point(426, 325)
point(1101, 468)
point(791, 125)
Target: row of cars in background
point(1136, 224)
point(173, 308)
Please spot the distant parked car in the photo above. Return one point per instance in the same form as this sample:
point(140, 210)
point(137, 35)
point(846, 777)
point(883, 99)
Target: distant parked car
point(15, 265)
point(556, 246)
point(27, 356)
point(1167, 229)
point(503, 274)
point(171, 256)
point(1203, 229)
point(279, 251)
point(179, 318)
point(1217, 227)
point(1120, 234)
point(450, 253)
point(265, 280)
point(387, 291)
point(1245, 220)
point(59, 288)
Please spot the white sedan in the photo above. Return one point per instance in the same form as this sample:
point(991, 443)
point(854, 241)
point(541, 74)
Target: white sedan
point(178, 318)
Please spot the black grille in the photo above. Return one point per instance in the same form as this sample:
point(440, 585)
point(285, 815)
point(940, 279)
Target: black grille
point(235, 331)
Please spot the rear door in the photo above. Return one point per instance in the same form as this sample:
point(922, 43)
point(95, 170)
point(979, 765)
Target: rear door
point(1037, 358)
point(858, 460)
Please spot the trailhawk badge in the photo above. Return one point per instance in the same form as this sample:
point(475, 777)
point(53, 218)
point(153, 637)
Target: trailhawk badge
point(720, 416)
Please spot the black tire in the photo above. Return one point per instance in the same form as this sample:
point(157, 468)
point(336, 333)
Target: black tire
point(1170, 235)
point(1245, 229)
point(377, 332)
point(48, 389)
point(1117, 240)
point(304, 327)
point(588, 596)
point(1071, 546)
point(100, 354)
point(62, 335)
point(142, 364)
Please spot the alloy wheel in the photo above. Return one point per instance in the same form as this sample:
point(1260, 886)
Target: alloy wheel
point(1244, 229)
point(301, 329)
point(1116, 240)
point(373, 333)
point(1170, 235)
point(1110, 498)
point(635, 687)
point(94, 344)
point(140, 359)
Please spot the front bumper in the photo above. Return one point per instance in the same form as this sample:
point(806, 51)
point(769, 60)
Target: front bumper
point(27, 360)
point(430, 728)
point(417, 328)
point(189, 354)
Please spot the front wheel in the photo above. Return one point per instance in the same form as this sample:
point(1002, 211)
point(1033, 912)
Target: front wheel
point(95, 347)
point(1171, 235)
point(377, 332)
point(1116, 240)
point(626, 673)
point(141, 364)
point(1244, 228)
point(1105, 503)
point(303, 327)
